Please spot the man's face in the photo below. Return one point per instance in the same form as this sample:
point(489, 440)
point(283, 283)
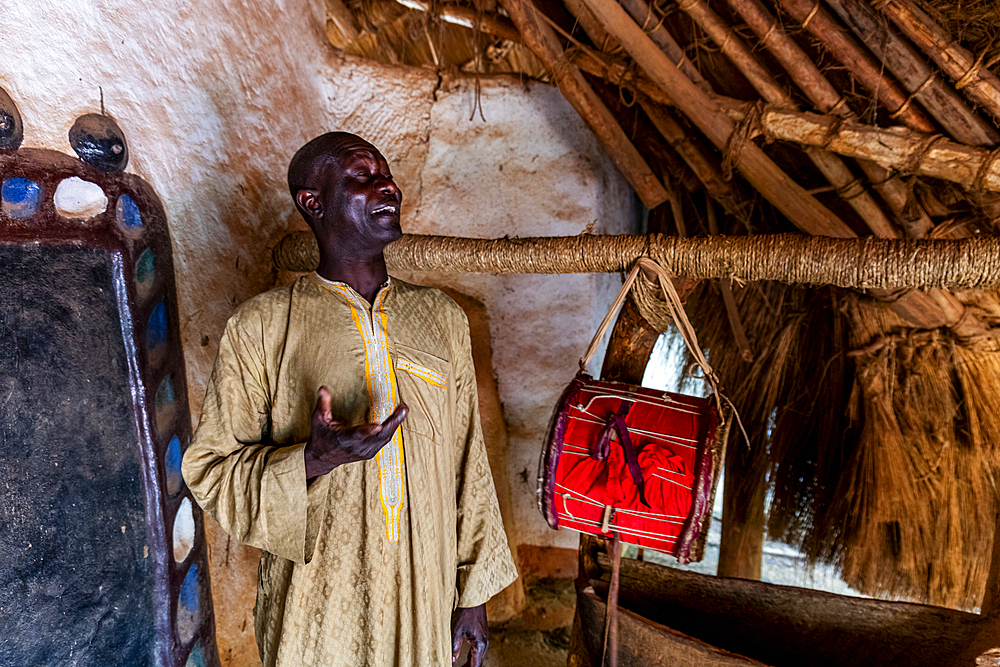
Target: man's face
point(360, 199)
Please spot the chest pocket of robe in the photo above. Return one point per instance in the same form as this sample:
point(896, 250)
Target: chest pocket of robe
point(424, 381)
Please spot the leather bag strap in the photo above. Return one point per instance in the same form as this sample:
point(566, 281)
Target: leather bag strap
point(673, 300)
point(610, 655)
point(612, 312)
point(674, 304)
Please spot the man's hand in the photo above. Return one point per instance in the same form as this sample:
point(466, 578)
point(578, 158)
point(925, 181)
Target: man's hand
point(470, 623)
point(332, 443)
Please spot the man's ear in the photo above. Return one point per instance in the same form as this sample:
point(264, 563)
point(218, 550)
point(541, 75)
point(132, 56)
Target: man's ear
point(309, 203)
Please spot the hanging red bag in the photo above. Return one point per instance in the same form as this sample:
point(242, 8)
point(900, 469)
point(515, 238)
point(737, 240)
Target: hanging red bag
point(636, 463)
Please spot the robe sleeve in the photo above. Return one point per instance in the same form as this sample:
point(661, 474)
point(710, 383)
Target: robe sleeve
point(485, 565)
point(254, 489)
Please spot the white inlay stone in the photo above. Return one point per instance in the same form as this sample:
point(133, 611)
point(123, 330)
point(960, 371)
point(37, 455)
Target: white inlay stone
point(77, 198)
point(183, 531)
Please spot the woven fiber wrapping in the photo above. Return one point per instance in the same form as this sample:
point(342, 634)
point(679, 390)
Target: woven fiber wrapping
point(867, 263)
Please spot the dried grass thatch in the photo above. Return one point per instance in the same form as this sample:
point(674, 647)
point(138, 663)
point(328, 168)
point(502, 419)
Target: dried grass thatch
point(879, 442)
point(975, 23)
point(391, 32)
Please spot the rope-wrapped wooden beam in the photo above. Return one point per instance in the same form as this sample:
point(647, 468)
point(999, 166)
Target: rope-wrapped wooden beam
point(866, 263)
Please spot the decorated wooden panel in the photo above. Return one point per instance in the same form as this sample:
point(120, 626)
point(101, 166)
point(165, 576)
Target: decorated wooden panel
point(102, 555)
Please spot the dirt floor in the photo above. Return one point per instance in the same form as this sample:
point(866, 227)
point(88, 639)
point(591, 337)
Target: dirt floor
point(540, 636)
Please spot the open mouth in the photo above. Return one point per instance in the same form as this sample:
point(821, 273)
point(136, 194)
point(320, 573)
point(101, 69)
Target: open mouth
point(387, 209)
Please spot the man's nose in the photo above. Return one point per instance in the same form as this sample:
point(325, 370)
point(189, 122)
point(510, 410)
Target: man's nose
point(387, 186)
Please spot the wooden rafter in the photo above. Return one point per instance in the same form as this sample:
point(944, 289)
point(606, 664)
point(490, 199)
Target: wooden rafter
point(774, 184)
point(964, 67)
point(833, 168)
point(896, 148)
point(910, 216)
point(824, 27)
point(920, 79)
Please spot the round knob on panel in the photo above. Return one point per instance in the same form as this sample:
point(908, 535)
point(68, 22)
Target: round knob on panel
point(99, 142)
point(11, 129)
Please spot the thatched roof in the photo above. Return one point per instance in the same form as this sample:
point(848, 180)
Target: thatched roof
point(875, 418)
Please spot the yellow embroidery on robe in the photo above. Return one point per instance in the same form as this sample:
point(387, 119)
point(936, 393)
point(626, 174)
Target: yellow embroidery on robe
point(423, 372)
point(382, 391)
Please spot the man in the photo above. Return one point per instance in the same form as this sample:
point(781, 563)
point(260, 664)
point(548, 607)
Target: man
point(340, 434)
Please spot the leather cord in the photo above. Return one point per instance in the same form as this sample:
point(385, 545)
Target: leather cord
point(676, 308)
point(609, 656)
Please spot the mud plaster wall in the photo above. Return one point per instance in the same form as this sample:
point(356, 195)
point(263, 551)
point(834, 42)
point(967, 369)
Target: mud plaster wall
point(215, 96)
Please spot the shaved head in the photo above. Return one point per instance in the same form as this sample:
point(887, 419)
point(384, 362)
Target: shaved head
point(308, 162)
point(343, 187)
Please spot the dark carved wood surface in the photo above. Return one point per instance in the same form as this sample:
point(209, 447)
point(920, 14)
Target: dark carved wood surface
point(74, 576)
point(786, 626)
point(61, 275)
point(648, 644)
point(629, 347)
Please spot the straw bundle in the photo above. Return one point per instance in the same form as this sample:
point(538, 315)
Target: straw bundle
point(881, 457)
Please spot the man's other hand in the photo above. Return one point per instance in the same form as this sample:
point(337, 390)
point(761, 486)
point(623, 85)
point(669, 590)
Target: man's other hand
point(332, 443)
point(470, 623)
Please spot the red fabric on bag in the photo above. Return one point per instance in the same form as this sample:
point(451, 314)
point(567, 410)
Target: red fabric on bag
point(666, 439)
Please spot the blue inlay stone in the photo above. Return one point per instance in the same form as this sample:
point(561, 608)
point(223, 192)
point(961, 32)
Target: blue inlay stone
point(164, 402)
point(196, 658)
point(20, 197)
point(127, 213)
point(172, 464)
point(145, 269)
point(187, 605)
point(156, 328)
point(165, 394)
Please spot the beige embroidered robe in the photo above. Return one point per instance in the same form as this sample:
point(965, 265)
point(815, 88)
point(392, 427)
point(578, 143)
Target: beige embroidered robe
point(364, 565)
